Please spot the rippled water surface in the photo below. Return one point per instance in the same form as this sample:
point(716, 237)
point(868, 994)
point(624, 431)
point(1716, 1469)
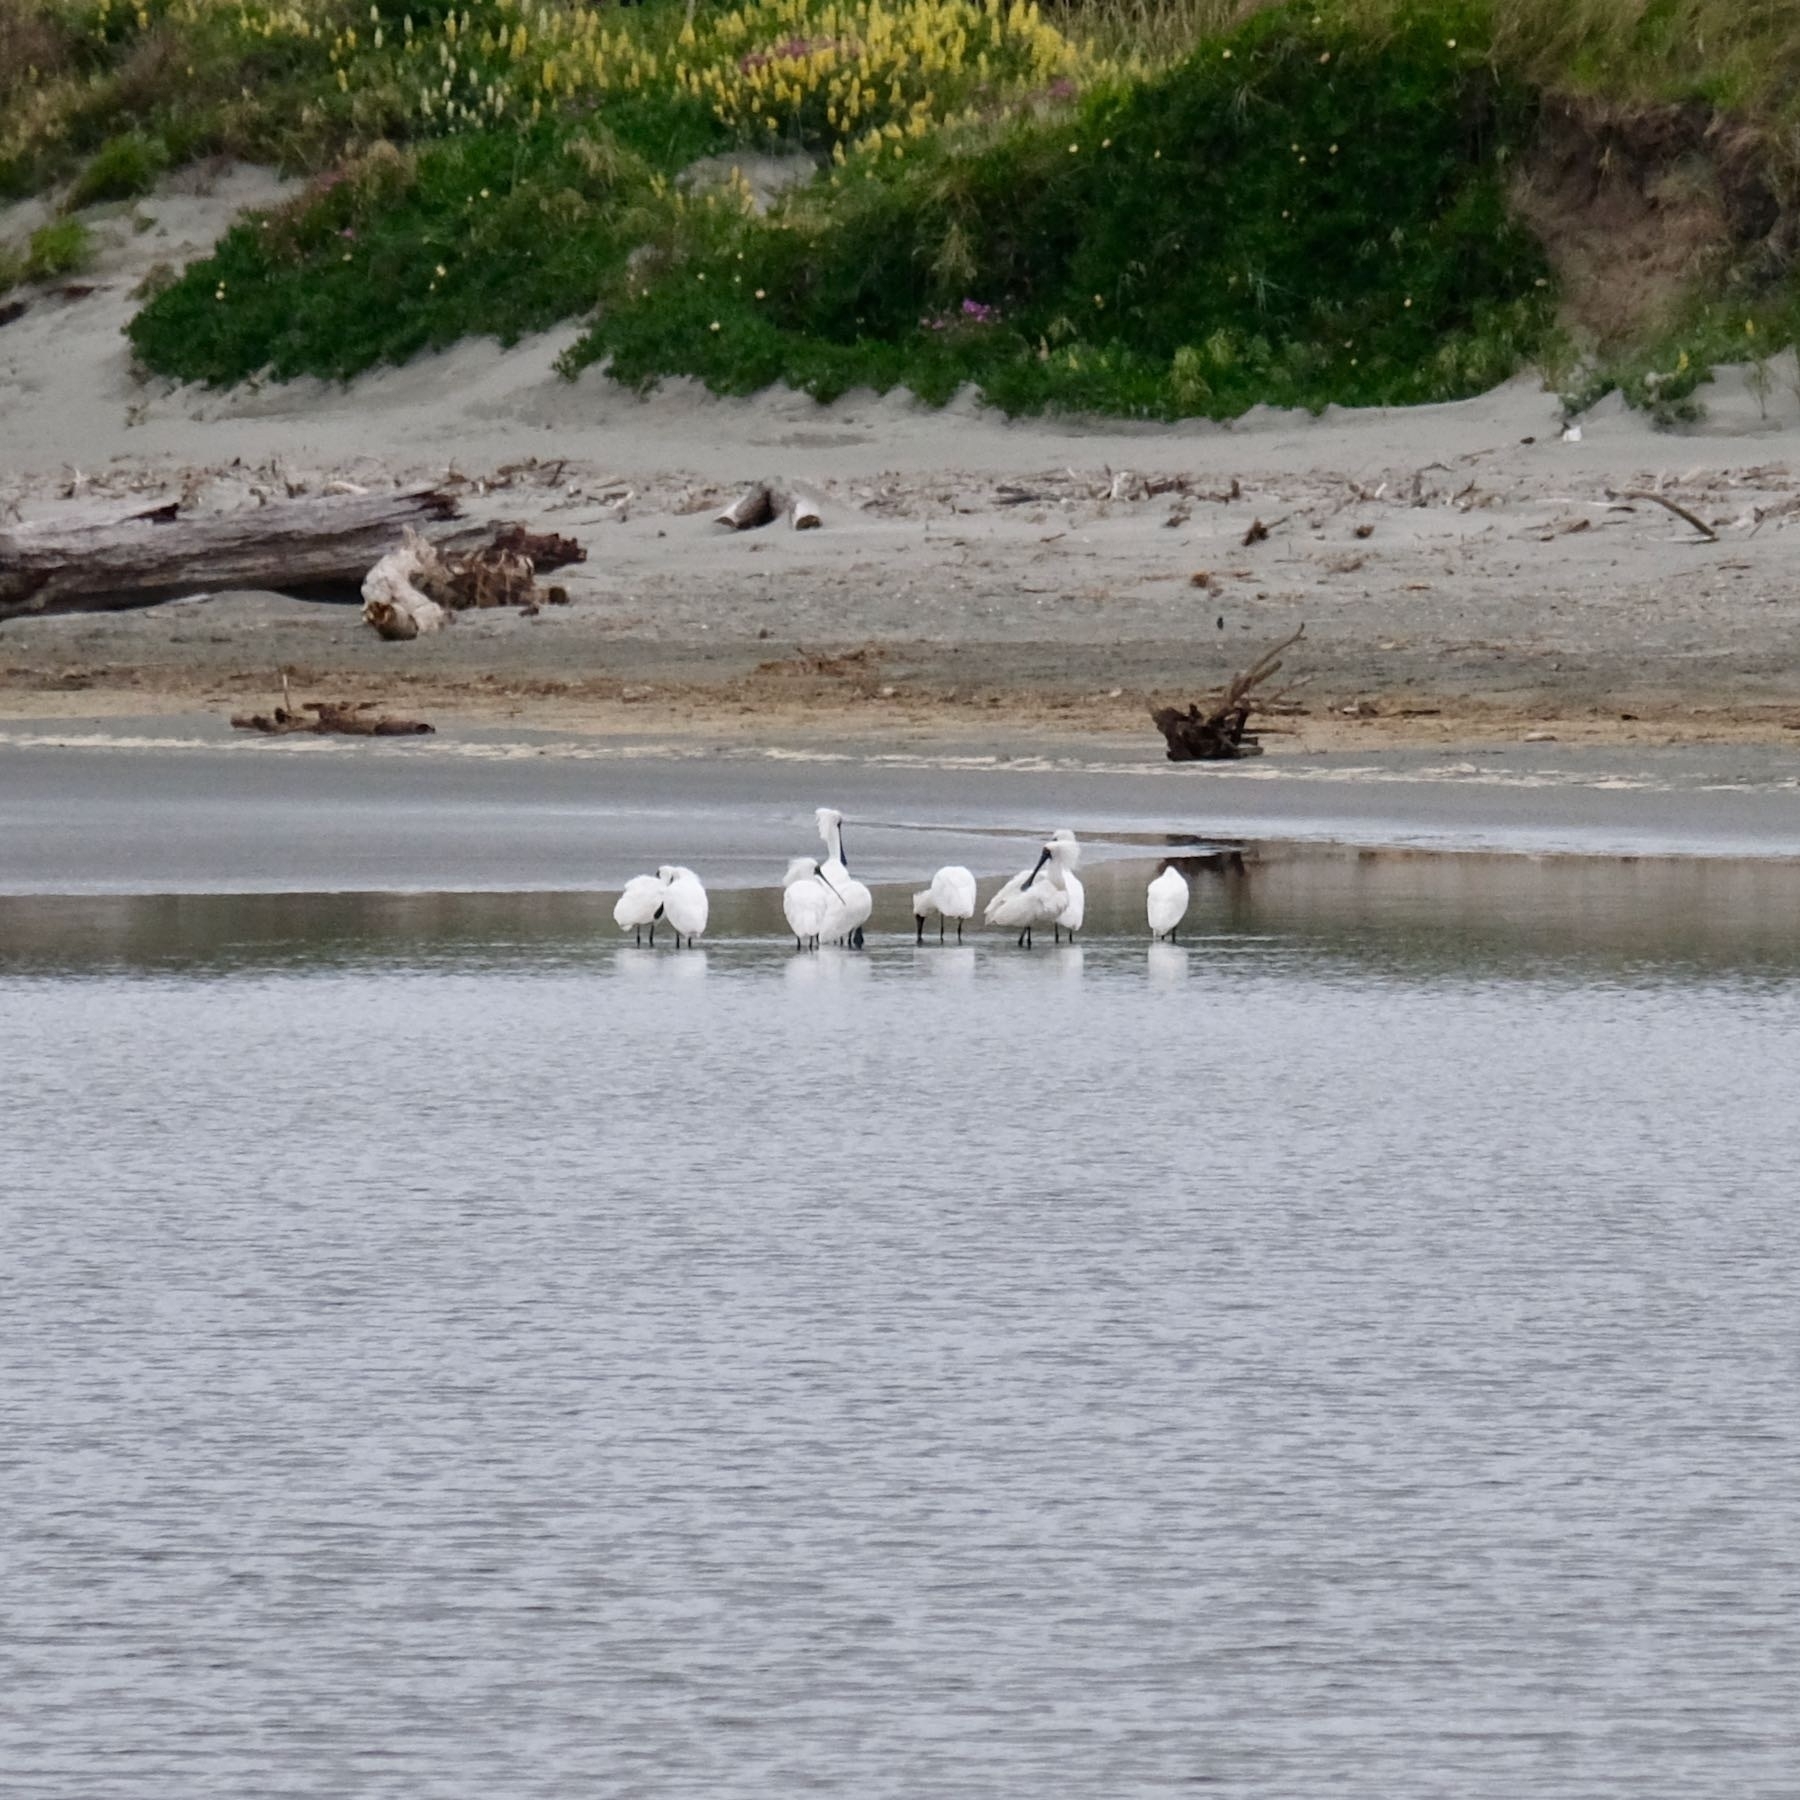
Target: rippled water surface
point(445, 1354)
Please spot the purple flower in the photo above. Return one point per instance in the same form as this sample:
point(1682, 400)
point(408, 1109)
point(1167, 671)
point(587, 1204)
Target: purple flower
point(971, 312)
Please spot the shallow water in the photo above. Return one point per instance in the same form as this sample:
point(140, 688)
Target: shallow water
point(444, 1353)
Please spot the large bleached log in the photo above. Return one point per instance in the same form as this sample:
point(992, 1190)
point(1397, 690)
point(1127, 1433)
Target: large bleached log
point(397, 592)
point(88, 563)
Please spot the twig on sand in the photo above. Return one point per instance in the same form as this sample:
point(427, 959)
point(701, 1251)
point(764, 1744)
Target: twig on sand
point(1681, 512)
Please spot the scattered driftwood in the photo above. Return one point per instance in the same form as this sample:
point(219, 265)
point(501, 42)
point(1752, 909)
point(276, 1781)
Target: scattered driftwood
point(1259, 532)
point(1221, 733)
point(1681, 512)
point(412, 591)
point(546, 549)
point(94, 558)
point(323, 718)
point(766, 502)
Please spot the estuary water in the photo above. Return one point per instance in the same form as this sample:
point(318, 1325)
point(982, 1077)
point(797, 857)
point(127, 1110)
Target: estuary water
point(1355, 1350)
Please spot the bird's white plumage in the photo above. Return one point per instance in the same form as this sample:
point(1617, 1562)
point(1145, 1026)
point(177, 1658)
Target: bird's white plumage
point(804, 900)
point(1166, 902)
point(1039, 895)
point(950, 896)
point(1001, 899)
point(1074, 912)
point(684, 900)
point(638, 904)
point(851, 902)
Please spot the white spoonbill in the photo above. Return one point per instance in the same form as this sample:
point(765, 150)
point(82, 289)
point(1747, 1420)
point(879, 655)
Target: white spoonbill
point(1074, 913)
point(641, 904)
point(805, 899)
point(951, 896)
point(684, 902)
point(851, 902)
point(1166, 903)
point(1036, 896)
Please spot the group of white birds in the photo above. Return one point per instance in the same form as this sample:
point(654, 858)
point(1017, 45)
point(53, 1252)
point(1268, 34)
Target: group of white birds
point(825, 904)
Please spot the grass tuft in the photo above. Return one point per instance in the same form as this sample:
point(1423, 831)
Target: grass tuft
point(121, 169)
point(63, 247)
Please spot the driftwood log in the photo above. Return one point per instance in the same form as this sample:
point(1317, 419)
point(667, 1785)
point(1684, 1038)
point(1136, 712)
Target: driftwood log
point(397, 593)
point(101, 558)
point(414, 590)
point(346, 718)
point(764, 503)
point(342, 718)
point(1222, 733)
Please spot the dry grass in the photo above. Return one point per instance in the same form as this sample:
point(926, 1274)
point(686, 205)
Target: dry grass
point(31, 46)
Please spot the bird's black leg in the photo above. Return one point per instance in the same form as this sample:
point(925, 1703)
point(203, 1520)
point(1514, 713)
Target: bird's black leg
point(959, 931)
point(941, 927)
point(652, 934)
point(919, 924)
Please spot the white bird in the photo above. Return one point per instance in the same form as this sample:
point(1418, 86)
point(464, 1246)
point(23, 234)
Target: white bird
point(851, 901)
point(641, 904)
point(1038, 895)
point(1074, 913)
point(951, 896)
point(1166, 903)
point(805, 899)
point(684, 902)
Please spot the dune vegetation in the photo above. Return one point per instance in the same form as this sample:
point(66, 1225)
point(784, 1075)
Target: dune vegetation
point(1128, 207)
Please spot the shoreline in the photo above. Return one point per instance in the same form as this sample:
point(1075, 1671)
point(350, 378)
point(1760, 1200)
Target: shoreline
point(184, 806)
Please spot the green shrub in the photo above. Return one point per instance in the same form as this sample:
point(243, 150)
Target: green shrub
point(494, 233)
point(121, 169)
point(63, 247)
point(1299, 213)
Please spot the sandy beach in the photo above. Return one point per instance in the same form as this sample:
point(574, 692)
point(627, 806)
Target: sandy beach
point(1466, 574)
